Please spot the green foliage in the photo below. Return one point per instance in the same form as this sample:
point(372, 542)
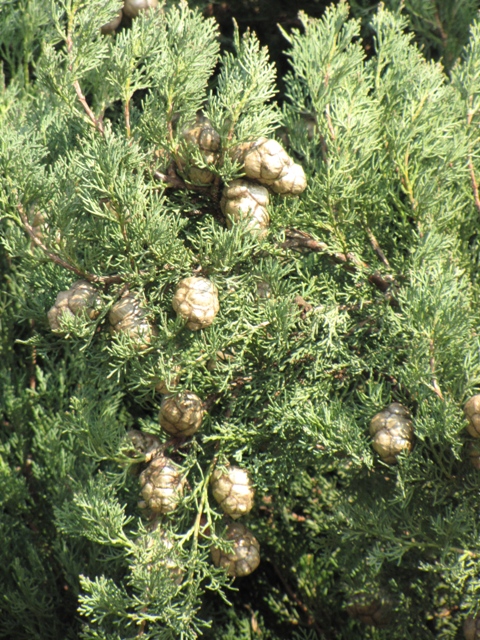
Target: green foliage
point(372, 279)
point(441, 28)
point(239, 109)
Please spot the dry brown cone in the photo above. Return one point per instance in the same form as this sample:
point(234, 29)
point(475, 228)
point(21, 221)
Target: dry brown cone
point(244, 558)
point(162, 486)
point(129, 317)
point(392, 431)
point(81, 298)
point(246, 200)
point(472, 414)
point(196, 301)
point(232, 489)
point(181, 414)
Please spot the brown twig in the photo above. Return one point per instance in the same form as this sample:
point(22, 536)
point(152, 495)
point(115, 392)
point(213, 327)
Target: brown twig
point(301, 241)
point(253, 620)
point(102, 116)
point(123, 229)
point(360, 325)
point(476, 197)
point(355, 307)
point(171, 181)
point(383, 283)
point(216, 189)
point(329, 122)
point(97, 122)
point(127, 118)
point(33, 363)
point(474, 183)
point(105, 280)
point(211, 400)
point(174, 182)
point(141, 630)
point(445, 612)
point(173, 147)
point(324, 148)
point(377, 248)
point(435, 385)
point(439, 25)
point(304, 306)
point(170, 112)
point(300, 604)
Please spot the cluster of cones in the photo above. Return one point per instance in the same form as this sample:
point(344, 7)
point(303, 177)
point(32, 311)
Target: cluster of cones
point(163, 484)
point(195, 302)
point(265, 163)
point(181, 414)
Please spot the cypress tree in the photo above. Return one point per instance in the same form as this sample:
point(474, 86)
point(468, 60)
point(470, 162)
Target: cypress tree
point(237, 336)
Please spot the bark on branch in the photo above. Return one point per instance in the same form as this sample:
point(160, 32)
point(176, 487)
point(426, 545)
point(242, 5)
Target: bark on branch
point(54, 257)
point(301, 241)
point(174, 182)
point(471, 167)
point(473, 179)
point(435, 385)
point(298, 602)
point(97, 122)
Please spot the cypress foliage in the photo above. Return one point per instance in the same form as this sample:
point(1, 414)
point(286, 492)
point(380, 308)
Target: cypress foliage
point(363, 293)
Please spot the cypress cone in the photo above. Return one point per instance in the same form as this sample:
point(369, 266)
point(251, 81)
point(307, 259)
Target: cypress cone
point(244, 558)
point(81, 298)
point(392, 431)
point(196, 301)
point(181, 414)
point(233, 491)
point(161, 486)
